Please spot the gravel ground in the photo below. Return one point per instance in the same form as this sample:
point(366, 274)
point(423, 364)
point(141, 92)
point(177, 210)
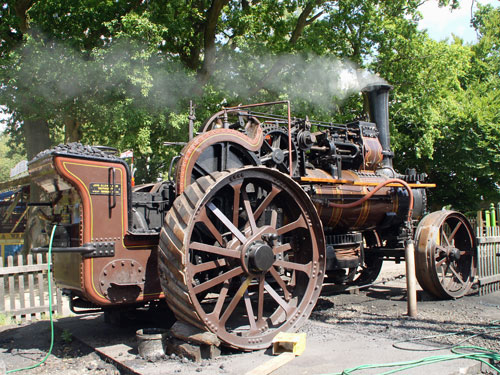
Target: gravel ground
point(379, 311)
point(26, 344)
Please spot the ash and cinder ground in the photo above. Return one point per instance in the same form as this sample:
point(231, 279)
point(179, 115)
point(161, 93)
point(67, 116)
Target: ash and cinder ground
point(377, 313)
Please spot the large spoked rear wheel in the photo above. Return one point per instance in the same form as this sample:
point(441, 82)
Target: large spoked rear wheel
point(446, 254)
point(242, 254)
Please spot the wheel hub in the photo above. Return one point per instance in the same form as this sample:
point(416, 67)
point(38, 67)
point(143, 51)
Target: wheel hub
point(278, 156)
point(260, 257)
point(454, 254)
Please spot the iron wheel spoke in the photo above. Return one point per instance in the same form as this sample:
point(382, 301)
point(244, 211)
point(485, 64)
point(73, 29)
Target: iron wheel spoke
point(248, 209)
point(250, 314)
point(452, 235)
point(218, 280)
point(457, 275)
point(236, 204)
point(299, 223)
point(227, 222)
point(234, 302)
point(260, 303)
point(280, 282)
point(203, 218)
point(276, 141)
point(306, 268)
point(443, 234)
point(283, 304)
point(440, 262)
point(206, 266)
point(268, 146)
point(274, 219)
point(265, 203)
point(214, 249)
point(220, 300)
point(200, 170)
point(282, 248)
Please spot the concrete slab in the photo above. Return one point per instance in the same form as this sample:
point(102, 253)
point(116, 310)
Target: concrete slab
point(329, 350)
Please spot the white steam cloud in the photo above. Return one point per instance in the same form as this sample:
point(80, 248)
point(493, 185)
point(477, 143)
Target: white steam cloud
point(60, 75)
point(319, 80)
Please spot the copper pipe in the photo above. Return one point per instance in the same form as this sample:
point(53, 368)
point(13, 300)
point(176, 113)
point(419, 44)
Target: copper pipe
point(377, 188)
point(258, 105)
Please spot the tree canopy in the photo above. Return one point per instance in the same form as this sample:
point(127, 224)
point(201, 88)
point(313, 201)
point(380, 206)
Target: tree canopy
point(121, 73)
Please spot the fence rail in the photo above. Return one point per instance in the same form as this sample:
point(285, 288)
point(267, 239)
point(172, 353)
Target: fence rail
point(24, 287)
point(488, 247)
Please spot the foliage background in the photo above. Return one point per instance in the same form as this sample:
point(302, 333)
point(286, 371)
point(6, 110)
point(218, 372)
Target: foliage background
point(121, 73)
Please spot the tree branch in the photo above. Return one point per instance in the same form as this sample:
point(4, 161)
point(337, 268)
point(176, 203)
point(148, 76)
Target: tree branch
point(314, 18)
point(21, 7)
point(302, 21)
point(209, 35)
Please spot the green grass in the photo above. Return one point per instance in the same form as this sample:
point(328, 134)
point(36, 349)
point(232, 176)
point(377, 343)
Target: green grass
point(6, 320)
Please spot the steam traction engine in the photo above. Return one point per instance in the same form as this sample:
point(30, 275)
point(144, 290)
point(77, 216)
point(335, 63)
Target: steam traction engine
point(263, 210)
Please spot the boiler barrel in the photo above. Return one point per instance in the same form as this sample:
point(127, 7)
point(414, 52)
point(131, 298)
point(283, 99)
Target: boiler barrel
point(388, 206)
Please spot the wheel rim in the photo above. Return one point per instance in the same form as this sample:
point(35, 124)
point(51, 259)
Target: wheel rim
point(241, 246)
point(446, 254)
point(219, 157)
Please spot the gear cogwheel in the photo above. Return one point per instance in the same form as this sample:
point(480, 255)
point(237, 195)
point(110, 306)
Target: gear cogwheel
point(274, 151)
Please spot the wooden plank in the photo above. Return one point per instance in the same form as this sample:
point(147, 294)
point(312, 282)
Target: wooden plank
point(479, 220)
point(14, 270)
point(2, 289)
point(31, 284)
point(22, 305)
point(20, 278)
point(12, 207)
point(31, 310)
point(489, 279)
point(17, 182)
point(272, 364)
point(41, 288)
point(10, 263)
point(490, 239)
point(59, 300)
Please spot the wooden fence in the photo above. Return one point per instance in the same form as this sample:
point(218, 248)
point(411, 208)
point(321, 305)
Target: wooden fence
point(24, 293)
point(488, 241)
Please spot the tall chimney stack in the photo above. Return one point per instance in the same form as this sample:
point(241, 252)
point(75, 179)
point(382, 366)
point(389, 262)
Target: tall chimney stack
point(377, 97)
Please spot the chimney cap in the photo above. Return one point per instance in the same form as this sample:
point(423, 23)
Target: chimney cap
point(377, 87)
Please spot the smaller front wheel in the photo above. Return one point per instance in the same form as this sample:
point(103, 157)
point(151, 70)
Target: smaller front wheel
point(445, 256)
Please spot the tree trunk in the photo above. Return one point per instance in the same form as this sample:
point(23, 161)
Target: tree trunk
point(36, 134)
point(71, 130)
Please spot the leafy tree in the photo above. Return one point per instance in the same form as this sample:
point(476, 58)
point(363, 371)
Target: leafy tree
point(8, 157)
point(121, 73)
point(444, 111)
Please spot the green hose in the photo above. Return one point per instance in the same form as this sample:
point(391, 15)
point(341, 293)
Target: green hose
point(49, 275)
point(476, 353)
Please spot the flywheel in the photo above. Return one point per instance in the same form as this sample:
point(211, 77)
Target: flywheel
point(446, 255)
point(242, 254)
